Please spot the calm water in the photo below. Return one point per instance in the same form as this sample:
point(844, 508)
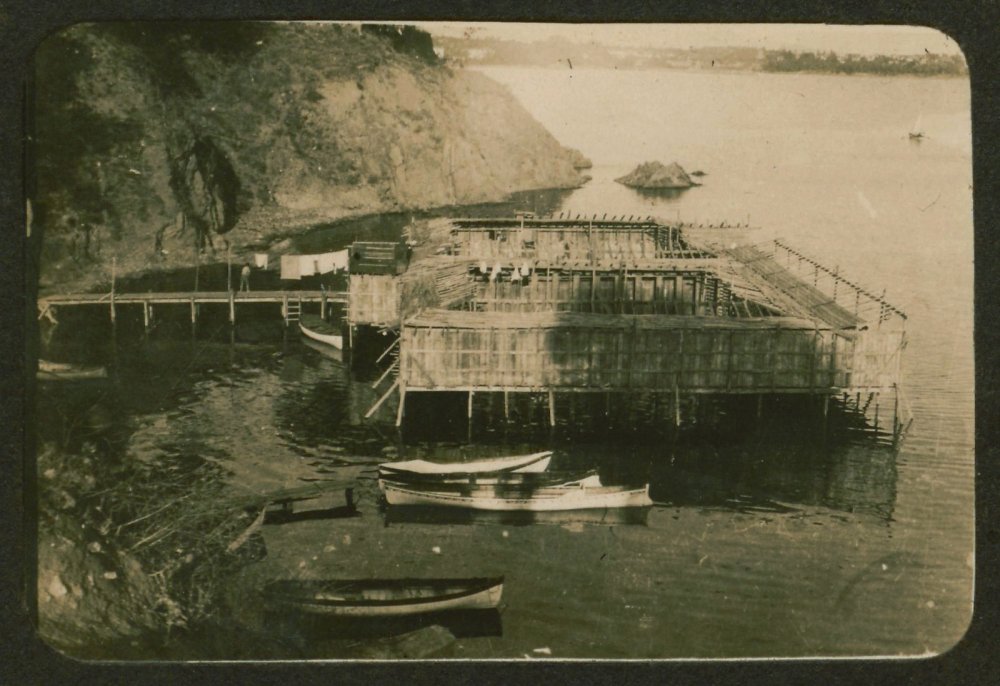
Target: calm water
point(769, 538)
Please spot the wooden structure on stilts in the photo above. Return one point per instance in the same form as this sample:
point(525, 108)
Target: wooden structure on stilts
point(556, 306)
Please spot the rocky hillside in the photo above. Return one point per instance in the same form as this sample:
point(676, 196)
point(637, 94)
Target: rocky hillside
point(153, 141)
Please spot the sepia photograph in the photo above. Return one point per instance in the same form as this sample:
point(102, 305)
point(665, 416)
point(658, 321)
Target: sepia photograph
point(454, 341)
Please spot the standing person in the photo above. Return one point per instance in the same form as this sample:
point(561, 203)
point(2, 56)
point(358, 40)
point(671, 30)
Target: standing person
point(245, 277)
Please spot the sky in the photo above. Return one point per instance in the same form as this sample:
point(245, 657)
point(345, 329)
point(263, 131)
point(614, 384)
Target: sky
point(862, 40)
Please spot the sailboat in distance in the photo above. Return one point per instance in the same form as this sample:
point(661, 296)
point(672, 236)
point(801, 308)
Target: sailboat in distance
point(915, 133)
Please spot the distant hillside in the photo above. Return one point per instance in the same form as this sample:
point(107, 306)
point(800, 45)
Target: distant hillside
point(562, 53)
point(152, 139)
point(884, 65)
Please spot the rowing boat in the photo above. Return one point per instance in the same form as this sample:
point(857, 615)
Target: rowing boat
point(536, 462)
point(61, 371)
point(319, 329)
point(384, 597)
point(492, 480)
point(546, 499)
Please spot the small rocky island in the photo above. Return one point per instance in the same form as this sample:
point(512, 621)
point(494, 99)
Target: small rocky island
point(657, 176)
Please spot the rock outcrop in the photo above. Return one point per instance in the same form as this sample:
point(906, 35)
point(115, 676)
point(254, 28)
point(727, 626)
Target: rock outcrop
point(154, 140)
point(656, 176)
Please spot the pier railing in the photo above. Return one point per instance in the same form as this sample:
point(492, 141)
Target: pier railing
point(845, 293)
point(290, 301)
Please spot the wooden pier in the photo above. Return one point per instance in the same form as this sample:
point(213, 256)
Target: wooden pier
point(571, 305)
point(290, 301)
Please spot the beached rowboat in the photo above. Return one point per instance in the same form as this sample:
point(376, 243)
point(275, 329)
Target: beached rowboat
point(536, 462)
point(535, 500)
point(320, 330)
point(384, 597)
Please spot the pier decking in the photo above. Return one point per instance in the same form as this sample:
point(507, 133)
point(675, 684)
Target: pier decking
point(290, 301)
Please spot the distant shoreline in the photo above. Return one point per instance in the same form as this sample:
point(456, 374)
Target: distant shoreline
point(711, 70)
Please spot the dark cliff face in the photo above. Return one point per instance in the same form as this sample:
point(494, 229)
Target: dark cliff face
point(152, 139)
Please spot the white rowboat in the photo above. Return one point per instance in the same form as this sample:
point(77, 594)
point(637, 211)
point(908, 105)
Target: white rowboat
point(536, 462)
point(384, 597)
point(61, 371)
point(540, 500)
point(319, 330)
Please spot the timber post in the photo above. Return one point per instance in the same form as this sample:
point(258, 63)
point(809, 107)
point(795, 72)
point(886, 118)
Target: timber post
point(677, 404)
point(402, 404)
point(113, 313)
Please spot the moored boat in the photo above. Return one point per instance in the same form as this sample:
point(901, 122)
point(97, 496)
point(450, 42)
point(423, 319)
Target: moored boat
point(318, 329)
point(535, 462)
point(384, 597)
point(61, 371)
point(497, 482)
point(546, 499)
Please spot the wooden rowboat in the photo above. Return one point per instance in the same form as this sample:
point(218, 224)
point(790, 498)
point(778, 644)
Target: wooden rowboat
point(321, 330)
point(577, 497)
point(536, 462)
point(506, 481)
point(61, 371)
point(384, 597)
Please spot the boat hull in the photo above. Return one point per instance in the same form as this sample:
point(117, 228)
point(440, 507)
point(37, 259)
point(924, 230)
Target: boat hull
point(534, 463)
point(491, 480)
point(57, 371)
point(540, 500)
point(392, 598)
point(331, 339)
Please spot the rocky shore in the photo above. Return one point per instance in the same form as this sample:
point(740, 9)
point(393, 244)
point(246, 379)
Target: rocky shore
point(157, 143)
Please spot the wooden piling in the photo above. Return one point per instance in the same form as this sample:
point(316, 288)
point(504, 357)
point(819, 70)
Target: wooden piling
point(232, 307)
point(552, 408)
point(677, 404)
point(145, 316)
point(469, 411)
point(402, 403)
point(895, 409)
point(506, 405)
point(114, 314)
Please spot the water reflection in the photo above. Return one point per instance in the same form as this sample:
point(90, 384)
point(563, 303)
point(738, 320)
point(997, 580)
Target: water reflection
point(660, 193)
point(411, 514)
point(314, 630)
point(186, 401)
